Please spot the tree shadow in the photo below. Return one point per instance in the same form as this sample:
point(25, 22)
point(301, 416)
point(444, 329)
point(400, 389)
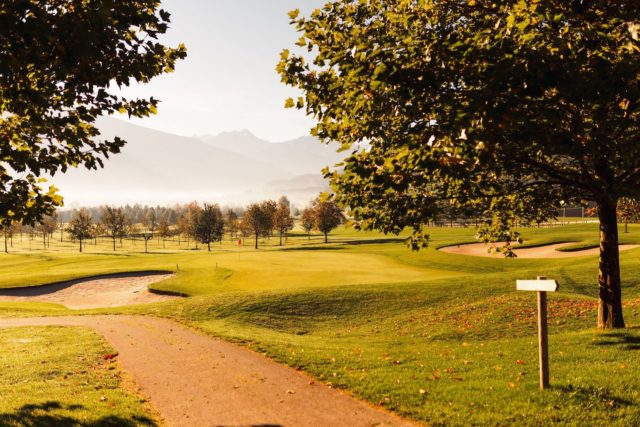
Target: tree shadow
point(43, 415)
point(388, 240)
point(312, 248)
point(623, 339)
point(591, 395)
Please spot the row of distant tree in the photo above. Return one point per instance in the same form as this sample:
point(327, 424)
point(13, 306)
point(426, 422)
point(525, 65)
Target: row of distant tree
point(208, 223)
point(202, 223)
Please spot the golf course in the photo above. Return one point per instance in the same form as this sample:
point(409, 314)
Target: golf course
point(436, 338)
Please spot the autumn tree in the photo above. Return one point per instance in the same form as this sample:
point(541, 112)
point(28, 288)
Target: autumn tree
point(80, 227)
point(8, 231)
point(507, 107)
point(327, 215)
point(308, 220)
point(193, 213)
point(114, 222)
point(256, 221)
point(183, 227)
point(628, 211)
point(269, 208)
point(210, 225)
point(231, 223)
point(62, 65)
point(46, 227)
point(282, 219)
point(164, 230)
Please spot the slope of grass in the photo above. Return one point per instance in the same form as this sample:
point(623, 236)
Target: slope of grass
point(441, 338)
point(54, 376)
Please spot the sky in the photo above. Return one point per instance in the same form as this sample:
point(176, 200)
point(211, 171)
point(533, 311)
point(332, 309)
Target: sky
point(228, 81)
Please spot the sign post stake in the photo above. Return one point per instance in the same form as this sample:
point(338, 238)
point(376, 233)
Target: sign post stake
point(543, 338)
point(541, 286)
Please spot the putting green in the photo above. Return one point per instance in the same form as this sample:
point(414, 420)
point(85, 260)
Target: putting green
point(297, 269)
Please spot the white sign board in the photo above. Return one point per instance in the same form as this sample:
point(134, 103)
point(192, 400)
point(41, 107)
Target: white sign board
point(537, 285)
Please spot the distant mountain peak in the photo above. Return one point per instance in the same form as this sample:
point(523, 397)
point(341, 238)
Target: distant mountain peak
point(244, 133)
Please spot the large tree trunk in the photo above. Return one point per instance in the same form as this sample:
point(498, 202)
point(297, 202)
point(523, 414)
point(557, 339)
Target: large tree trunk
point(610, 309)
point(256, 240)
point(326, 237)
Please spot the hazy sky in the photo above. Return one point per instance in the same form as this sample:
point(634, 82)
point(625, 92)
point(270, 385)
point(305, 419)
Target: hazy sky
point(228, 81)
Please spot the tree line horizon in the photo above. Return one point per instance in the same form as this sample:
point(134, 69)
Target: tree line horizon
point(204, 223)
point(207, 222)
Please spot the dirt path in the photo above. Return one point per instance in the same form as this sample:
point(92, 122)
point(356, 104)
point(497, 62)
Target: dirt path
point(546, 251)
point(196, 380)
point(104, 291)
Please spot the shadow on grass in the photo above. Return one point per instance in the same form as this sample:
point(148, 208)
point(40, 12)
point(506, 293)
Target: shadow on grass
point(623, 339)
point(44, 415)
point(313, 248)
point(374, 241)
point(593, 395)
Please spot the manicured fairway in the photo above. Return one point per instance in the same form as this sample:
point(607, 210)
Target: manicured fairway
point(438, 337)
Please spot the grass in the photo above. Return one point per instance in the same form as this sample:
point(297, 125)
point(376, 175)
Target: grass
point(53, 376)
point(437, 337)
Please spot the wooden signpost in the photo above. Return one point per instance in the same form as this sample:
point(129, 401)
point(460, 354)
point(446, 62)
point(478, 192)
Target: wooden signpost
point(542, 286)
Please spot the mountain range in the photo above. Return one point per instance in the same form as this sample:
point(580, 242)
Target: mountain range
point(230, 168)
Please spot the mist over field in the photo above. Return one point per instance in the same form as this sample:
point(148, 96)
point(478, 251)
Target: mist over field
point(231, 168)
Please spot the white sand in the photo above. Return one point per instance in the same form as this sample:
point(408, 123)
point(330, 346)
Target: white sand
point(547, 251)
point(100, 292)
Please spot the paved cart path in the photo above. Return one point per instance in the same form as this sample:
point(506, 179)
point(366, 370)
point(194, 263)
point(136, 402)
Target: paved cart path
point(196, 380)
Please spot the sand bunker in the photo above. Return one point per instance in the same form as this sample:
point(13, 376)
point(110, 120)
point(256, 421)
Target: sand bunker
point(547, 251)
point(98, 292)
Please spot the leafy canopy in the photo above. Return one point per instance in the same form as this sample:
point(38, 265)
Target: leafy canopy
point(61, 65)
point(507, 107)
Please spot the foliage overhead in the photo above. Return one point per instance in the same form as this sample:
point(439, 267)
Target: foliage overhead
point(507, 107)
point(62, 64)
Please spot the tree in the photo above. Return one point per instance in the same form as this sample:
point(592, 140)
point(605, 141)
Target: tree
point(183, 227)
point(231, 223)
point(130, 227)
point(210, 225)
point(193, 213)
point(507, 107)
point(8, 231)
point(282, 218)
point(151, 221)
point(628, 211)
point(269, 208)
point(255, 221)
point(308, 221)
point(61, 66)
point(164, 230)
point(46, 226)
point(80, 227)
point(327, 215)
point(61, 228)
point(114, 222)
